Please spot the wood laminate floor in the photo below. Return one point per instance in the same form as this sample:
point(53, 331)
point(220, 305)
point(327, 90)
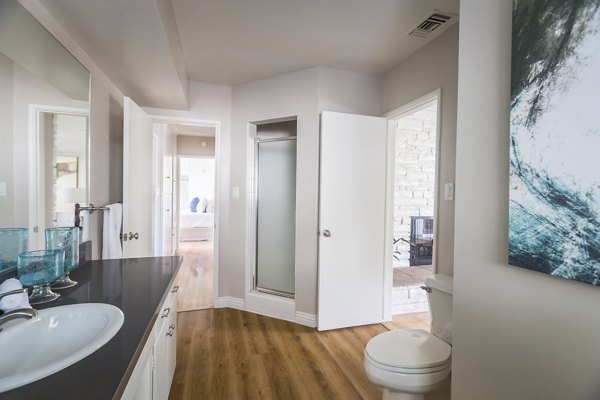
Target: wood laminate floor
point(410, 276)
point(195, 276)
point(231, 354)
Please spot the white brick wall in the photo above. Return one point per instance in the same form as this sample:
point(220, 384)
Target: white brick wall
point(414, 182)
point(409, 299)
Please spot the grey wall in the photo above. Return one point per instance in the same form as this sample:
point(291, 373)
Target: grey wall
point(277, 129)
point(28, 89)
point(432, 67)
point(115, 110)
point(349, 92)
point(518, 334)
point(46, 122)
point(102, 90)
point(212, 103)
point(303, 94)
point(6, 138)
point(281, 96)
point(190, 146)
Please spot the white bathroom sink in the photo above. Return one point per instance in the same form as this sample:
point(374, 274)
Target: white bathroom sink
point(56, 338)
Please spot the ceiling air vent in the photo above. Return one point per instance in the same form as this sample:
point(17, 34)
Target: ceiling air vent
point(432, 24)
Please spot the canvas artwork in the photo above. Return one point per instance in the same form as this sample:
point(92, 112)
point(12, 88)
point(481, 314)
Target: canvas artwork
point(554, 214)
point(67, 169)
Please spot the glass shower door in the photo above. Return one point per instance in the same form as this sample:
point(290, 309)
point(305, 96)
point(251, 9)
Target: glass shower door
point(276, 216)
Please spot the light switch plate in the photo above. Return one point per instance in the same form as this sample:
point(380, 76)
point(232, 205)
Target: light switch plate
point(449, 191)
point(2, 188)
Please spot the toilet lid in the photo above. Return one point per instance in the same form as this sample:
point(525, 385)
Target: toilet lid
point(408, 348)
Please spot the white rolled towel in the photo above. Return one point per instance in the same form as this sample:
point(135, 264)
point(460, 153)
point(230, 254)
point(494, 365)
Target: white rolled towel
point(14, 301)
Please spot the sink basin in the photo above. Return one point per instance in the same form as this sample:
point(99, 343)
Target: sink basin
point(56, 338)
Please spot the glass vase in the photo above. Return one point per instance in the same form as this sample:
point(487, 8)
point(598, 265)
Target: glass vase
point(66, 239)
point(13, 241)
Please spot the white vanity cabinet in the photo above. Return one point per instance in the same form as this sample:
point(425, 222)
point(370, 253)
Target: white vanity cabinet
point(152, 376)
point(165, 350)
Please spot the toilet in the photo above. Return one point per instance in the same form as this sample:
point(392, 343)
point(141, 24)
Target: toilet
point(409, 363)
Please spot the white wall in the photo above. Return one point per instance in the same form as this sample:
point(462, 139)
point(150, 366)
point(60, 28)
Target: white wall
point(518, 334)
point(432, 67)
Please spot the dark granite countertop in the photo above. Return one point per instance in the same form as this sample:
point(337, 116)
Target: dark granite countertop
point(137, 286)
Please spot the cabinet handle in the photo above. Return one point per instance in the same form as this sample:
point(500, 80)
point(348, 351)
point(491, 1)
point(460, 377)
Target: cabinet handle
point(175, 289)
point(166, 312)
point(170, 333)
point(172, 326)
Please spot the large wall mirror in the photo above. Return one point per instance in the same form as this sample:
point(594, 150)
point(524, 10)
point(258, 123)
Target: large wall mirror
point(44, 127)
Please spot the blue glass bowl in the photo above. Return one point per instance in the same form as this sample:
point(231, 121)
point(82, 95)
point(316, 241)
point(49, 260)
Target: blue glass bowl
point(13, 241)
point(38, 269)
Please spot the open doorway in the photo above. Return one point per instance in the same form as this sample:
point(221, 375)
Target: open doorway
point(186, 205)
point(195, 214)
point(416, 137)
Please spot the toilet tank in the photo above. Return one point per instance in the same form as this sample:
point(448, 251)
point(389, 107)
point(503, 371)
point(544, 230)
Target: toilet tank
point(439, 294)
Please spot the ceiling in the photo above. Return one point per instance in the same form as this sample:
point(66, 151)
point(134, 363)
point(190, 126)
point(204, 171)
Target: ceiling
point(193, 130)
point(151, 48)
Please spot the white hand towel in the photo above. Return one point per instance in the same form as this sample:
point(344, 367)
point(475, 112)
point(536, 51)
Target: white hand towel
point(85, 225)
point(111, 241)
point(14, 301)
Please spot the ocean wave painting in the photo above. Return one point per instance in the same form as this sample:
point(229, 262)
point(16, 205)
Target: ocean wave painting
point(554, 210)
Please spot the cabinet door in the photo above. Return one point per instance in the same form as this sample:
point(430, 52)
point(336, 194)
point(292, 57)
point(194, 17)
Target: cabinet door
point(172, 340)
point(140, 383)
point(165, 353)
point(161, 382)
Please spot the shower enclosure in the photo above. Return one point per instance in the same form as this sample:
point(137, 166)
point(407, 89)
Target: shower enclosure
point(275, 180)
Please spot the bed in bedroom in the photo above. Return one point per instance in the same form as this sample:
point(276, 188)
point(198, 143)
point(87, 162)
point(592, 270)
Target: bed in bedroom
point(196, 226)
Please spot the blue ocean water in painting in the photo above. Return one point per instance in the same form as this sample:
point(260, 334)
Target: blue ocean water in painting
point(563, 240)
point(554, 211)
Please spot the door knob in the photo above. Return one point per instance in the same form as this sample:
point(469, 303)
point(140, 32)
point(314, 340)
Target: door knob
point(326, 233)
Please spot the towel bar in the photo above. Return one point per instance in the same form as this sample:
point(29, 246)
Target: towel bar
point(91, 208)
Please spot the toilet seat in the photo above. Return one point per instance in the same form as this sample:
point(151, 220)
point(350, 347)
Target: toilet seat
point(408, 371)
point(408, 351)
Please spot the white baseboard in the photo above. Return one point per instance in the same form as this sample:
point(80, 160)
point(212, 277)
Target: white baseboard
point(230, 302)
point(306, 319)
point(271, 306)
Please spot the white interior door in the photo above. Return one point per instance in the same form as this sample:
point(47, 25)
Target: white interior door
point(137, 182)
point(351, 220)
point(167, 179)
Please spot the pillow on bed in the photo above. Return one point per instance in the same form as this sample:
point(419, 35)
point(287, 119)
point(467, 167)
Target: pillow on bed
point(203, 205)
point(210, 206)
point(194, 204)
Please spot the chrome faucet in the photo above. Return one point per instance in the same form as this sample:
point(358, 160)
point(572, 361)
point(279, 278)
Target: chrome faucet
point(27, 313)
